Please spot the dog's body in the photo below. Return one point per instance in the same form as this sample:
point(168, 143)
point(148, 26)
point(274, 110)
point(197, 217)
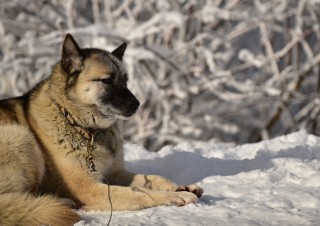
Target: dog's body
point(62, 140)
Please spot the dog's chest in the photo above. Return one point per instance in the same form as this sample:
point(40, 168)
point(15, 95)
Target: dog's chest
point(108, 150)
point(98, 155)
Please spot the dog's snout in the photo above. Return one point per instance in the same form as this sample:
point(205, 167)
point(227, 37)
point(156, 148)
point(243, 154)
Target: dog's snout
point(132, 102)
point(122, 100)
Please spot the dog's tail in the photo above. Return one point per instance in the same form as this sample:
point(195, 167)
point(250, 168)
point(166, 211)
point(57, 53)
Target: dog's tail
point(26, 209)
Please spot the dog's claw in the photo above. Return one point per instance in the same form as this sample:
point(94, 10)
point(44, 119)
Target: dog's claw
point(195, 189)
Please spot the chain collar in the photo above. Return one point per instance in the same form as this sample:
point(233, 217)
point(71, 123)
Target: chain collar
point(87, 133)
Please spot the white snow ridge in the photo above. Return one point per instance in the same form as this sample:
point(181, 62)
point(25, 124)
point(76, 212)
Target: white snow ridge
point(275, 182)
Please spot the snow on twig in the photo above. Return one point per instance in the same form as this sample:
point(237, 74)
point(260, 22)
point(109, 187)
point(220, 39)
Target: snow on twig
point(235, 71)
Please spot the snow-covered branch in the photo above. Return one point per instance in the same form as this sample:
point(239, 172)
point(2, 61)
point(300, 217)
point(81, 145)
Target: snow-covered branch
point(235, 71)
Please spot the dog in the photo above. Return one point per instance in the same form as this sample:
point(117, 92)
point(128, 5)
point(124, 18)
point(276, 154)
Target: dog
point(61, 146)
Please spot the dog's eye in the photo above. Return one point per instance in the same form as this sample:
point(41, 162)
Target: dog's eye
point(107, 81)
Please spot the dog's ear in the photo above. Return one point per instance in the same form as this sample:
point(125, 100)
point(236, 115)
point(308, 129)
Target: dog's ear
point(118, 52)
point(72, 57)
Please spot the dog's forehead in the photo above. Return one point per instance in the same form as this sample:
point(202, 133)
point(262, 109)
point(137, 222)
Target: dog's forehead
point(102, 62)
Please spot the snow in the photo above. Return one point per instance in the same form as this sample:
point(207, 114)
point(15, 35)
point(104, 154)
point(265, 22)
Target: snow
point(274, 182)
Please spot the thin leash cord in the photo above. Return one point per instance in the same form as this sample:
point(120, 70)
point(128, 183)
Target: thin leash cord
point(92, 168)
point(111, 208)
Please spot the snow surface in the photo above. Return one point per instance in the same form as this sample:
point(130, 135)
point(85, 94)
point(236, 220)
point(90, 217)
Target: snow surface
point(274, 182)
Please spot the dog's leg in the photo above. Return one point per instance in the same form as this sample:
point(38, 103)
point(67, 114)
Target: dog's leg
point(21, 171)
point(131, 198)
point(94, 195)
point(153, 182)
point(21, 162)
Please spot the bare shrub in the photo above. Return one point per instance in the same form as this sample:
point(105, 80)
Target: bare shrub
point(232, 71)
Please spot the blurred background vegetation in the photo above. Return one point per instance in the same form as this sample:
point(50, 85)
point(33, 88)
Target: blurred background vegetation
point(204, 70)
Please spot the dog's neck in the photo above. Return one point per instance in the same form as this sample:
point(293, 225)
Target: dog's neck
point(86, 133)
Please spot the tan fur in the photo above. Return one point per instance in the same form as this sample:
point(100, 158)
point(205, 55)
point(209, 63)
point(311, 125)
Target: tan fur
point(42, 153)
point(22, 170)
point(26, 209)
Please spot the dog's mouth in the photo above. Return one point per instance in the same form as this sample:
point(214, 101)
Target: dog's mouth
point(111, 112)
point(125, 115)
point(129, 114)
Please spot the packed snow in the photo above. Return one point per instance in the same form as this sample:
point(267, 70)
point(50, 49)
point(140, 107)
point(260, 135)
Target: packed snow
point(274, 182)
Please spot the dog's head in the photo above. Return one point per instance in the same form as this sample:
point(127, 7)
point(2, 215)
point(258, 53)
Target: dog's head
point(96, 81)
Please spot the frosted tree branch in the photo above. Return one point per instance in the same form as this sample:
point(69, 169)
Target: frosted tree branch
point(232, 71)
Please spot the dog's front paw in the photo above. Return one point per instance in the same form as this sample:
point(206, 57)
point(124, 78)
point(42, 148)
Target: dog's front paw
point(195, 189)
point(182, 198)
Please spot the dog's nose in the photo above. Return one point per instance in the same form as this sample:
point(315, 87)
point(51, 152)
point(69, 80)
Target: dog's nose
point(135, 104)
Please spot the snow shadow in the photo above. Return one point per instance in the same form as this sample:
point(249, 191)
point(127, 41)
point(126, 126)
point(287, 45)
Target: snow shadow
point(191, 167)
point(187, 168)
